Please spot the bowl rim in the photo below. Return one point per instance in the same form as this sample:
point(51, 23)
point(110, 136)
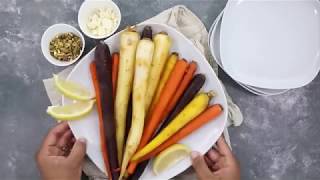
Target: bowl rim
point(116, 8)
point(51, 59)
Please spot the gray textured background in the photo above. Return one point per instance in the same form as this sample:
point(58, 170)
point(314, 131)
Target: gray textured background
point(279, 138)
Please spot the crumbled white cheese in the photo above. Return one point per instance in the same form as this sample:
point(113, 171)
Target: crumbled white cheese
point(102, 21)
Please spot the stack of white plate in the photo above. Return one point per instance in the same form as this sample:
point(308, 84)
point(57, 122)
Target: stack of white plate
point(268, 47)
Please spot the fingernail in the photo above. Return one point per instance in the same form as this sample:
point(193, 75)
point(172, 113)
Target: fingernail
point(82, 139)
point(194, 154)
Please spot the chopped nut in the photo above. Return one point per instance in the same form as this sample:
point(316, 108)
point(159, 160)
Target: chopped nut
point(65, 47)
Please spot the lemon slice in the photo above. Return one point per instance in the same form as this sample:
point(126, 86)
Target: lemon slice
point(72, 89)
point(169, 157)
point(71, 111)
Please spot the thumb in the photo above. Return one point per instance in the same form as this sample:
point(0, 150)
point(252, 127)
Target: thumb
point(78, 151)
point(223, 147)
point(200, 166)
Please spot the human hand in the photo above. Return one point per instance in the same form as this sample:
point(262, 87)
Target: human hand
point(217, 164)
point(60, 156)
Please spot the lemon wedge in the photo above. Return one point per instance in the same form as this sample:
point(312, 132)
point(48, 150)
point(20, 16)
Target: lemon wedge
point(72, 89)
point(169, 157)
point(71, 111)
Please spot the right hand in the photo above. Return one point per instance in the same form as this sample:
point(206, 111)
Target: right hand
point(218, 164)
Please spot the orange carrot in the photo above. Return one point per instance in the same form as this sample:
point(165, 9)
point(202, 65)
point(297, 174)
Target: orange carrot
point(209, 114)
point(115, 67)
point(95, 81)
point(156, 115)
point(172, 59)
point(132, 167)
point(182, 86)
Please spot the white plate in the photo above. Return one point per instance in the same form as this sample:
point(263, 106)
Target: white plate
point(271, 44)
point(214, 44)
point(213, 25)
point(214, 39)
point(264, 91)
point(201, 140)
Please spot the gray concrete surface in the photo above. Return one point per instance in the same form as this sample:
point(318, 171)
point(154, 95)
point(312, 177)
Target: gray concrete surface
point(278, 140)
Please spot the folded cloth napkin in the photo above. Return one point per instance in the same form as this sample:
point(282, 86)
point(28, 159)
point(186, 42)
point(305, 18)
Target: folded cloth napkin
point(182, 19)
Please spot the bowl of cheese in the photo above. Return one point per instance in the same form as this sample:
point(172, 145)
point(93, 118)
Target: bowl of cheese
point(99, 19)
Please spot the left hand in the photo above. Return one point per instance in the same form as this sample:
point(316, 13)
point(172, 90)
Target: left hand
point(60, 156)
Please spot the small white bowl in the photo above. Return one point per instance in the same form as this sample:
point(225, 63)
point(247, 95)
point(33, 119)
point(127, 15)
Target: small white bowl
point(87, 7)
point(51, 33)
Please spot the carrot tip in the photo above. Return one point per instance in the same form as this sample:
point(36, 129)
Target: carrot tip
point(175, 53)
point(163, 32)
point(211, 94)
point(131, 28)
point(183, 59)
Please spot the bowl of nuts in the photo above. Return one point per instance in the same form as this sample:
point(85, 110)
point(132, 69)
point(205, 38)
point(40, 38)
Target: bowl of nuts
point(62, 44)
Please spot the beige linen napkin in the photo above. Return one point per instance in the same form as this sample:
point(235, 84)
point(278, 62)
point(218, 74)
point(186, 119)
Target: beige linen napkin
point(182, 19)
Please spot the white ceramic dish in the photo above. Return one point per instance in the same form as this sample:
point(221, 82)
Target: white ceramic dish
point(214, 38)
point(264, 44)
point(51, 33)
point(201, 140)
point(87, 7)
point(214, 45)
point(264, 91)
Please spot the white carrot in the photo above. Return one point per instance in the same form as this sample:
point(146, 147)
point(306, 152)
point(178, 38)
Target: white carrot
point(144, 55)
point(128, 45)
point(162, 47)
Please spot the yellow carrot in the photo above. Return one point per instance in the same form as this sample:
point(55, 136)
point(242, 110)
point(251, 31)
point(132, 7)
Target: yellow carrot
point(165, 75)
point(192, 110)
point(162, 47)
point(128, 44)
point(144, 55)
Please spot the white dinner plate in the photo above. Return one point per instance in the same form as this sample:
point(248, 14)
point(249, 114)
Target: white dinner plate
point(214, 45)
point(214, 39)
point(200, 140)
point(271, 44)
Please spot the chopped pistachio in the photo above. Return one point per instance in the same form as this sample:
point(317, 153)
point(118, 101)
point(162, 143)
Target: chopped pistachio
point(65, 47)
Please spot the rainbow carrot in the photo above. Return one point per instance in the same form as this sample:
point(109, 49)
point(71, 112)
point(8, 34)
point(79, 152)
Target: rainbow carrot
point(156, 115)
point(192, 110)
point(182, 86)
point(95, 81)
point(209, 114)
point(115, 68)
point(164, 77)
